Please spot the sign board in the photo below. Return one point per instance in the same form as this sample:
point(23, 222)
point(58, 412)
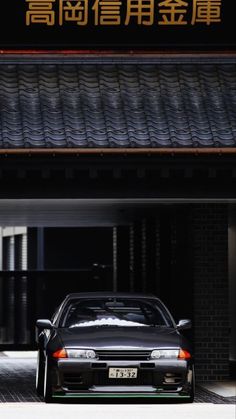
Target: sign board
point(118, 25)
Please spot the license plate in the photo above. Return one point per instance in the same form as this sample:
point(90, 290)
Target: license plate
point(123, 372)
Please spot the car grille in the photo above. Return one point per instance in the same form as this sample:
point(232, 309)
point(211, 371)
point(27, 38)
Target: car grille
point(123, 355)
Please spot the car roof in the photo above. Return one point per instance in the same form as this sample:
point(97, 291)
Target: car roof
point(100, 294)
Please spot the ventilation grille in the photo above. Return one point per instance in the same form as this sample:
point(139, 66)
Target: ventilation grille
point(123, 355)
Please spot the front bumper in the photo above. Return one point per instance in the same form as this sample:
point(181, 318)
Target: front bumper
point(83, 378)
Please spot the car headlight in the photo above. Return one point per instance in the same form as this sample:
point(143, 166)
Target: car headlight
point(74, 353)
point(165, 354)
point(81, 353)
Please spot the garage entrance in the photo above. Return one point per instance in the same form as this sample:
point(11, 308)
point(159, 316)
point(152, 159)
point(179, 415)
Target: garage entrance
point(174, 250)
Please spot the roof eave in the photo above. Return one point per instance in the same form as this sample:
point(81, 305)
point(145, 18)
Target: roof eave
point(116, 56)
point(118, 151)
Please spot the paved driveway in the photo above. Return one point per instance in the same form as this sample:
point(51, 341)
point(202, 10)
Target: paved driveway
point(114, 411)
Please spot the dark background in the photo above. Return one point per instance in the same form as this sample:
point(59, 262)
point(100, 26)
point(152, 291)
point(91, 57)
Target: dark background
point(14, 34)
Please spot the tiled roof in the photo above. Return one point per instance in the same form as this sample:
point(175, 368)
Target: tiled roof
point(156, 105)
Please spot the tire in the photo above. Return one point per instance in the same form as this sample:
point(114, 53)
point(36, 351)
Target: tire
point(39, 384)
point(192, 390)
point(47, 389)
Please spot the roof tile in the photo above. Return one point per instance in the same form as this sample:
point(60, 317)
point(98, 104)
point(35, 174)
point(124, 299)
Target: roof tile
point(79, 105)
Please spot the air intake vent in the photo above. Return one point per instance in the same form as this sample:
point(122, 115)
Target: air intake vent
point(73, 381)
point(170, 378)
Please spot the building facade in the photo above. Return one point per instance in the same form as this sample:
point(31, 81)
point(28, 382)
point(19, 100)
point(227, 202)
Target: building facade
point(117, 164)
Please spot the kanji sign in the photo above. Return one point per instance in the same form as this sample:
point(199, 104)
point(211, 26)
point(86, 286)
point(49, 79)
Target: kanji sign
point(113, 12)
point(118, 24)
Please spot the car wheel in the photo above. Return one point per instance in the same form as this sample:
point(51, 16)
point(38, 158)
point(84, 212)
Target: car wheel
point(192, 389)
point(47, 390)
point(39, 384)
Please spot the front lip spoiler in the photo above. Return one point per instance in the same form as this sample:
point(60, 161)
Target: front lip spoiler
point(121, 395)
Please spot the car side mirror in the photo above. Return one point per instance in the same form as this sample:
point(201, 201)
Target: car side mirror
point(44, 324)
point(184, 324)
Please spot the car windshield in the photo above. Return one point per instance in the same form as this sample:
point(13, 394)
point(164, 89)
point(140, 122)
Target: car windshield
point(120, 312)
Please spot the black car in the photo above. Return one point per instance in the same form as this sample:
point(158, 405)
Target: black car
point(113, 345)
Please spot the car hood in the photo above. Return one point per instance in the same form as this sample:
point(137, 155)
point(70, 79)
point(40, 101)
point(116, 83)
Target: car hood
point(119, 337)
